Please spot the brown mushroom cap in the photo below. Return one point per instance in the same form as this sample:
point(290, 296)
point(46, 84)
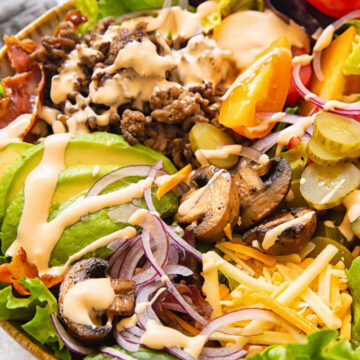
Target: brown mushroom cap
point(217, 206)
point(260, 196)
point(123, 304)
point(292, 239)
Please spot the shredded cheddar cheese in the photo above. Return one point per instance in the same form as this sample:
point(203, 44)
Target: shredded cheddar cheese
point(306, 293)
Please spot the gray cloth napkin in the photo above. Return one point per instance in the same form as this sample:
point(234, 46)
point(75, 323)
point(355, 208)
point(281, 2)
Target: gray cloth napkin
point(16, 14)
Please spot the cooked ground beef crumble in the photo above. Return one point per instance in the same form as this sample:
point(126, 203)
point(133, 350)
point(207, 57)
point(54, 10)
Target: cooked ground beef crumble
point(163, 123)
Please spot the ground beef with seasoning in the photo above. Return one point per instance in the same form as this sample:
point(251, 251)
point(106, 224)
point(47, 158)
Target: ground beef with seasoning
point(173, 112)
point(164, 117)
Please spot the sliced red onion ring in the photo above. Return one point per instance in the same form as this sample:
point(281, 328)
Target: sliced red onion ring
point(250, 153)
point(106, 350)
point(124, 342)
point(147, 192)
point(336, 25)
point(266, 143)
point(116, 175)
point(317, 65)
point(179, 353)
point(345, 109)
point(180, 241)
point(165, 279)
point(72, 344)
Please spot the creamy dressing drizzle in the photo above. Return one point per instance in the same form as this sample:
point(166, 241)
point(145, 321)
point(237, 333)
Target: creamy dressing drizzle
point(272, 235)
point(248, 33)
point(202, 155)
point(296, 130)
point(324, 39)
point(37, 236)
point(302, 59)
point(127, 323)
point(352, 204)
point(85, 298)
point(158, 336)
point(15, 131)
point(138, 217)
point(186, 206)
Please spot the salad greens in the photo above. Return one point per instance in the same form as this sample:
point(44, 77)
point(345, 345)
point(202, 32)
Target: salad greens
point(318, 346)
point(96, 10)
point(353, 275)
point(142, 354)
point(227, 7)
point(36, 310)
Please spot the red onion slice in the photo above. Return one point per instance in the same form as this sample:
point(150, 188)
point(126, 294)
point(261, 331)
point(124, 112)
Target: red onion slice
point(106, 350)
point(147, 192)
point(345, 109)
point(124, 342)
point(336, 25)
point(72, 344)
point(165, 279)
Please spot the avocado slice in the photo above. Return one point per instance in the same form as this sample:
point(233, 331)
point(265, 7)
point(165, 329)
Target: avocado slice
point(10, 153)
point(89, 149)
point(83, 232)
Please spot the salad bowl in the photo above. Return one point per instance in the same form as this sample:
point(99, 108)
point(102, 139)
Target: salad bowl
point(44, 25)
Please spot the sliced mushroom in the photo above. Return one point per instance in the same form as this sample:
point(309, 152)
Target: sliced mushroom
point(290, 239)
point(260, 196)
point(211, 204)
point(123, 304)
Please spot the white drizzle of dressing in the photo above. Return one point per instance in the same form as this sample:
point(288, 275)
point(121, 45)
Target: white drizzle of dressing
point(248, 33)
point(272, 235)
point(127, 323)
point(38, 192)
point(352, 204)
point(223, 152)
point(302, 59)
point(85, 297)
point(15, 131)
point(138, 217)
point(324, 39)
point(158, 336)
point(141, 307)
point(190, 202)
point(125, 233)
point(96, 170)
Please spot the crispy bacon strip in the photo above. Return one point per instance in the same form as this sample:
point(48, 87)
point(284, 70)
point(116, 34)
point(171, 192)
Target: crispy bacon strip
point(19, 51)
point(23, 91)
point(73, 16)
point(20, 268)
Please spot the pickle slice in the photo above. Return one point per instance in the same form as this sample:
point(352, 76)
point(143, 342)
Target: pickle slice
point(294, 198)
point(343, 254)
point(208, 137)
point(322, 156)
point(337, 133)
point(324, 187)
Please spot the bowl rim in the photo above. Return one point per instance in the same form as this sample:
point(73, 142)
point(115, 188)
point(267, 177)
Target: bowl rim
point(12, 328)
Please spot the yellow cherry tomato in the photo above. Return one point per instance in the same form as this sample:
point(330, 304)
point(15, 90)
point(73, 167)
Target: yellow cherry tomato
point(263, 86)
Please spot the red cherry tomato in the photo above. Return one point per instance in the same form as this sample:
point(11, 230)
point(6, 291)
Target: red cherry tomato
point(305, 74)
point(293, 142)
point(335, 8)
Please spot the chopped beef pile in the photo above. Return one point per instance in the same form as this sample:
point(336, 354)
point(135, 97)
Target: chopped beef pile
point(96, 83)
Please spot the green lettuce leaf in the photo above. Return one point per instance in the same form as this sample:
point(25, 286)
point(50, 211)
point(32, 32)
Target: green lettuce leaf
point(34, 312)
point(2, 91)
point(227, 7)
point(352, 63)
point(142, 354)
point(318, 346)
point(96, 10)
point(353, 275)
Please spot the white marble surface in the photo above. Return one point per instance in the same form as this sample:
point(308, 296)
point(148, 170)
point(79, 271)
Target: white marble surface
point(11, 350)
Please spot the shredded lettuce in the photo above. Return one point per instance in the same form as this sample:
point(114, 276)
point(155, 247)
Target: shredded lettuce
point(318, 346)
point(96, 10)
point(227, 7)
point(353, 275)
point(35, 311)
point(352, 63)
point(142, 354)
point(2, 91)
